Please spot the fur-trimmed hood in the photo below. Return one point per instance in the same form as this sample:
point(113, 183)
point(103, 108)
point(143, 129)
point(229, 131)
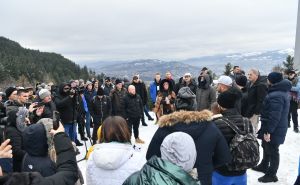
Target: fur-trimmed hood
point(185, 117)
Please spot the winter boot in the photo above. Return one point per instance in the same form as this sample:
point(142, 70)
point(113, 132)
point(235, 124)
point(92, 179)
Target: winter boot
point(139, 141)
point(267, 178)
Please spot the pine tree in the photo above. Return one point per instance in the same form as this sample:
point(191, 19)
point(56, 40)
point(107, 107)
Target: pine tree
point(228, 68)
point(289, 63)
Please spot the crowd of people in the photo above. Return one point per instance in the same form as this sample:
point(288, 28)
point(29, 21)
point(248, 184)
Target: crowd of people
point(207, 130)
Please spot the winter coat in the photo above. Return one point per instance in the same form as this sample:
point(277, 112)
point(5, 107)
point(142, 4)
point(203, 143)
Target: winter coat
point(16, 141)
point(100, 108)
point(275, 111)
point(161, 107)
point(133, 106)
point(192, 85)
point(238, 102)
point(140, 89)
point(111, 163)
point(212, 149)
point(234, 117)
point(295, 91)
point(47, 113)
point(205, 97)
point(66, 174)
point(89, 95)
point(117, 100)
point(36, 158)
point(256, 95)
point(107, 89)
point(66, 106)
point(154, 89)
point(165, 173)
point(244, 101)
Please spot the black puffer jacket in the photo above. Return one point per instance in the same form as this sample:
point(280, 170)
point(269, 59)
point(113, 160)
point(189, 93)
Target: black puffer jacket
point(192, 86)
point(234, 117)
point(256, 95)
point(67, 171)
point(101, 107)
point(66, 106)
point(141, 90)
point(133, 106)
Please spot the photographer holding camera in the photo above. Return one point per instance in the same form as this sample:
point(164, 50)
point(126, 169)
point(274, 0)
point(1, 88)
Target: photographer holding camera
point(66, 103)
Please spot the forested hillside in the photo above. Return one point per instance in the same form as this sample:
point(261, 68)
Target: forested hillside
point(27, 66)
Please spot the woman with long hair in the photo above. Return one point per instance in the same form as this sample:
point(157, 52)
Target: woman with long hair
point(113, 158)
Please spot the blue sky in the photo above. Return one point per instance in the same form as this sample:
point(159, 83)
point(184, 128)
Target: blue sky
point(95, 30)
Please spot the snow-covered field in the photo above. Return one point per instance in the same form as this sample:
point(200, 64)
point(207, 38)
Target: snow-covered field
point(289, 156)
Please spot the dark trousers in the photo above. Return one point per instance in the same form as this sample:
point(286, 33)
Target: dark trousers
point(97, 123)
point(293, 111)
point(81, 124)
point(134, 123)
point(271, 157)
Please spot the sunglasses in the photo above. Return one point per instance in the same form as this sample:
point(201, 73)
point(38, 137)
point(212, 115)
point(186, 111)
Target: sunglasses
point(66, 88)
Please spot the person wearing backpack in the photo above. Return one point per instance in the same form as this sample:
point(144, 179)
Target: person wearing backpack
point(274, 124)
point(234, 172)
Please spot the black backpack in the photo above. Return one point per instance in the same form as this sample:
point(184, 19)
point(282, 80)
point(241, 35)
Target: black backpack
point(244, 147)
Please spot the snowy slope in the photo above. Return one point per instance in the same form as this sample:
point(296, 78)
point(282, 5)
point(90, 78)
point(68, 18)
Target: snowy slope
point(289, 156)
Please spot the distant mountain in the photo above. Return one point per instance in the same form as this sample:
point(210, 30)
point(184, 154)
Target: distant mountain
point(147, 69)
point(23, 66)
point(264, 61)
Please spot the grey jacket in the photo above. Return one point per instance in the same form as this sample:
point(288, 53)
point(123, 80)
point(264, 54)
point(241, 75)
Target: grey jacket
point(205, 97)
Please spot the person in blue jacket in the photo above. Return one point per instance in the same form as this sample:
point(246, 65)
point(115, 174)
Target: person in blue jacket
point(154, 88)
point(274, 124)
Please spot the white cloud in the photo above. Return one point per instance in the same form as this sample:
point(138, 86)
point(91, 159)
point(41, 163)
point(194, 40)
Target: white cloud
point(163, 29)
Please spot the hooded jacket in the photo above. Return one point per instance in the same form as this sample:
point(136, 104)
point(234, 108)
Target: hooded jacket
point(35, 144)
point(66, 105)
point(111, 163)
point(192, 85)
point(212, 148)
point(160, 172)
point(274, 113)
point(66, 174)
point(205, 95)
point(154, 89)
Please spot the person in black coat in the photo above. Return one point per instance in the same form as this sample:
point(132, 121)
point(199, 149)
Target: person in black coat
point(226, 106)
point(14, 133)
point(211, 146)
point(141, 90)
point(66, 105)
point(241, 82)
point(67, 171)
point(257, 90)
point(100, 110)
point(274, 124)
point(133, 112)
point(117, 96)
point(187, 81)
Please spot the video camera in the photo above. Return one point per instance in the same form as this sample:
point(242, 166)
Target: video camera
point(76, 90)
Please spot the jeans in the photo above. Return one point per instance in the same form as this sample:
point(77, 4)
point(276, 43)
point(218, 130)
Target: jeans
point(70, 130)
point(218, 179)
point(88, 124)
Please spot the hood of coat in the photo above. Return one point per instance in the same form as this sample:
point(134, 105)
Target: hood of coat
point(35, 140)
point(61, 87)
point(284, 85)
point(111, 156)
point(185, 117)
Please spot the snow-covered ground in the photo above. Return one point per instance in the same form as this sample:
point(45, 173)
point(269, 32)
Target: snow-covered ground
point(289, 155)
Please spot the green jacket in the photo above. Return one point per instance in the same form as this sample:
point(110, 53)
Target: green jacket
point(160, 172)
